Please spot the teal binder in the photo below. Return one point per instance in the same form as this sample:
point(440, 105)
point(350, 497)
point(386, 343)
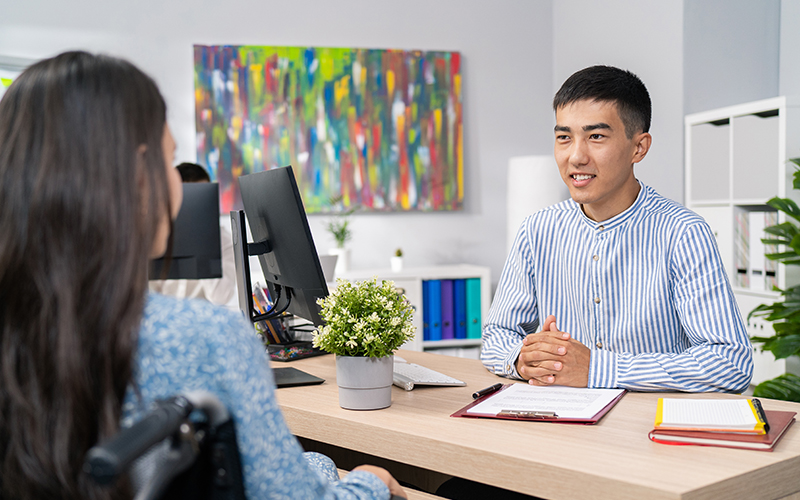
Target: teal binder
point(474, 308)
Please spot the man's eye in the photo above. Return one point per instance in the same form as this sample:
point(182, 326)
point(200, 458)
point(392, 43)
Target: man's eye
point(596, 136)
point(562, 137)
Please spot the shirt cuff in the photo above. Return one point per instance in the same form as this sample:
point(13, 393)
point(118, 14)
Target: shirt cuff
point(509, 368)
point(602, 369)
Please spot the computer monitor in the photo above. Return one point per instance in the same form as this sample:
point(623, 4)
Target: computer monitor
point(283, 243)
point(196, 250)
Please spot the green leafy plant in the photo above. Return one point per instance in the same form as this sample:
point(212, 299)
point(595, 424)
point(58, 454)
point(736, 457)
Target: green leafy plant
point(340, 230)
point(785, 312)
point(398, 252)
point(339, 226)
point(367, 318)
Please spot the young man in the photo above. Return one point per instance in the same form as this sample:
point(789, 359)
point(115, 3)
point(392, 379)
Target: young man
point(617, 287)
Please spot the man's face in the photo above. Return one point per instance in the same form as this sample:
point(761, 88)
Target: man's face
point(595, 157)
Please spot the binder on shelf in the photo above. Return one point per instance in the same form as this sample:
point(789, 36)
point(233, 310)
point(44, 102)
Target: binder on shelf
point(426, 311)
point(741, 249)
point(770, 266)
point(460, 308)
point(433, 303)
point(757, 260)
point(474, 308)
point(448, 327)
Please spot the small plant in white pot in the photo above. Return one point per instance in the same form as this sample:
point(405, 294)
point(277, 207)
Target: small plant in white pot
point(397, 261)
point(365, 322)
point(339, 227)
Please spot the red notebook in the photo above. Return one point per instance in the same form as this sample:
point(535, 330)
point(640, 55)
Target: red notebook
point(779, 421)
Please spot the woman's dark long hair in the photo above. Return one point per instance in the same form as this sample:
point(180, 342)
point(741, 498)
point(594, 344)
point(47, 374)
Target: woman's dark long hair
point(83, 188)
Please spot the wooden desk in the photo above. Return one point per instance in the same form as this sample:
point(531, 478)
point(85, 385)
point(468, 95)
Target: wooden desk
point(613, 459)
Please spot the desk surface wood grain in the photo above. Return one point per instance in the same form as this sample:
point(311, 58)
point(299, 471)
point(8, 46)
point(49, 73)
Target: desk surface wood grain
point(612, 459)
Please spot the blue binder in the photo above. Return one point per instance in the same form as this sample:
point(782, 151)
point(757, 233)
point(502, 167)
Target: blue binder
point(426, 311)
point(460, 308)
point(433, 304)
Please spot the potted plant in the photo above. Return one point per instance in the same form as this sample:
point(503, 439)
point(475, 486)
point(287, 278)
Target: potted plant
point(785, 312)
point(340, 229)
point(365, 322)
point(397, 261)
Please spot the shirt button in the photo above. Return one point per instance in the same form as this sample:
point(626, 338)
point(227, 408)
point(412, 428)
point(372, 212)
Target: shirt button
point(596, 257)
point(599, 345)
point(600, 228)
point(597, 300)
point(508, 368)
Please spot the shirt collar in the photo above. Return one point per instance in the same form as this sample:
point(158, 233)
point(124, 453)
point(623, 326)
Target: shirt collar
point(620, 218)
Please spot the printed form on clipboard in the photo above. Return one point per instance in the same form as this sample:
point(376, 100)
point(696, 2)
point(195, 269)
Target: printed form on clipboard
point(522, 401)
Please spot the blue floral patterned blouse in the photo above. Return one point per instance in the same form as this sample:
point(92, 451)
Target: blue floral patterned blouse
point(187, 345)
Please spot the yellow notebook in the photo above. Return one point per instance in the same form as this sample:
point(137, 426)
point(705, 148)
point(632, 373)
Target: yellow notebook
point(709, 415)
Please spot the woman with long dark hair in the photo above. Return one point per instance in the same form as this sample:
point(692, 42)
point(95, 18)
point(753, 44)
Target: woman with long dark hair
point(87, 193)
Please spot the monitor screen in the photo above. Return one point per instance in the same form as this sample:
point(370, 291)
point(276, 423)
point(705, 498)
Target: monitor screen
point(196, 250)
point(276, 216)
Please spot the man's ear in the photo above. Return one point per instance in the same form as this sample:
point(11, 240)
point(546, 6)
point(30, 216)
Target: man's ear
point(643, 142)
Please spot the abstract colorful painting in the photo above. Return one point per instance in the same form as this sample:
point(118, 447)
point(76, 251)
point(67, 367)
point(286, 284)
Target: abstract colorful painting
point(368, 129)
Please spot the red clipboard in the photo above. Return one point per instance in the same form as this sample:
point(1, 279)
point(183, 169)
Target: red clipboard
point(534, 416)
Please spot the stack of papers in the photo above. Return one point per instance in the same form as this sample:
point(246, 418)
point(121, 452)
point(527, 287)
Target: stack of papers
point(718, 422)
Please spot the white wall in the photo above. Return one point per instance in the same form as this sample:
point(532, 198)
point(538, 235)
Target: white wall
point(789, 67)
point(646, 38)
point(507, 61)
point(516, 53)
point(731, 51)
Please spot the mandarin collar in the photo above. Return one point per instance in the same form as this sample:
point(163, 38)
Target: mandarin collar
point(621, 218)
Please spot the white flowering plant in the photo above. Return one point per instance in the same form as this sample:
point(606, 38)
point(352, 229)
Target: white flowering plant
point(369, 318)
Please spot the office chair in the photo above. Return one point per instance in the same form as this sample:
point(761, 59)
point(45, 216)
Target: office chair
point(170, 456)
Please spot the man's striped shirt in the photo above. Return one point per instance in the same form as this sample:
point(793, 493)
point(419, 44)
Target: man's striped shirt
point(646, 291)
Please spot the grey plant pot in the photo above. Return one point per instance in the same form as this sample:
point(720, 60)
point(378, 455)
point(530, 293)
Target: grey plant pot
point(364, 383)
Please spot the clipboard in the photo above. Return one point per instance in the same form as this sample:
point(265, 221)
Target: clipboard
point(535, 415)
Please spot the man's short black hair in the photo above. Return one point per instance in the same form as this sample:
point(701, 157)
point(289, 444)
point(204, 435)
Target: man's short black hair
point(192, 172)
point(609, 84)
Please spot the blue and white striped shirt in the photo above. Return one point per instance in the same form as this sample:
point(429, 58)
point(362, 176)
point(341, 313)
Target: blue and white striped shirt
point(646, 291)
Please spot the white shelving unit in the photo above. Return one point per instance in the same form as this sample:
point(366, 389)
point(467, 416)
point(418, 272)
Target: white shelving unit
point(736, 160)
point(410, 281)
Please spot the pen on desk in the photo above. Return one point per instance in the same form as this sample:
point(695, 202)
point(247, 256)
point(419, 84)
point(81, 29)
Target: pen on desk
point(488, 390)
point(761, 413)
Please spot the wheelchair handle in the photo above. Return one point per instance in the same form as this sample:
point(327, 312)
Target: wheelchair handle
point(110, 459)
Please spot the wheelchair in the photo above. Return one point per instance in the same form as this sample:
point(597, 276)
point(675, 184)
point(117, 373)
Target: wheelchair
point(170, 456)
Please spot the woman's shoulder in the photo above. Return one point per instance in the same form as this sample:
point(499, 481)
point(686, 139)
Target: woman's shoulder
point(171, 313)
point(184, 324)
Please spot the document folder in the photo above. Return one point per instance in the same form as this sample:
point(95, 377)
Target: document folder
point(525, 399)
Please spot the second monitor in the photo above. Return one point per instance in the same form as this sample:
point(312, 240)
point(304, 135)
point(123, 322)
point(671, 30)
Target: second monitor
point(283, 242)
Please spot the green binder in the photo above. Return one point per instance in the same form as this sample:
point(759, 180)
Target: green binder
point(474, 320)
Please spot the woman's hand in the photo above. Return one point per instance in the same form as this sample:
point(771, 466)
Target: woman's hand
point(383, 474)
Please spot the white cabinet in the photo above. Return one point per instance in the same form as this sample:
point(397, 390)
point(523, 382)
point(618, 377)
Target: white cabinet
point(410, 282)
point(736, 160)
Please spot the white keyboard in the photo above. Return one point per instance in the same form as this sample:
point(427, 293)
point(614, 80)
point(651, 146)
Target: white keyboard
point(407, 375)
